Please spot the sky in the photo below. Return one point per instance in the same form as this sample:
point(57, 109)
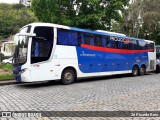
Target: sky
point(9, 1)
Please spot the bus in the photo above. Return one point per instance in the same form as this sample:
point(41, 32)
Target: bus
point(7, 48)
point(46, 51)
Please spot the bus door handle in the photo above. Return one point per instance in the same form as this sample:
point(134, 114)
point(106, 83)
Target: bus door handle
point(90, 65)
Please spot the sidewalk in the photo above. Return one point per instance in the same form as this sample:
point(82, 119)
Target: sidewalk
point(7, 82)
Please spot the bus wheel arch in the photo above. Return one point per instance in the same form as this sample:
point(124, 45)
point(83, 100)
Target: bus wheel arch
point(142, 70)
point(68, 76)
point(135, 70)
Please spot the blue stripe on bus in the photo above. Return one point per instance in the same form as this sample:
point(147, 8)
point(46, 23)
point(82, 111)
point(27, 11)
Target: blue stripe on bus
point(91, 61)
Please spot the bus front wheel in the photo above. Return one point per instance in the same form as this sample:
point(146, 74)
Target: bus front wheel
point(135, 71)
point(68, 76)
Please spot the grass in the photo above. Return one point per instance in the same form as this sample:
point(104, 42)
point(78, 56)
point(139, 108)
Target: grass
point(6, 66)
point(5, 71)
point(6, 77)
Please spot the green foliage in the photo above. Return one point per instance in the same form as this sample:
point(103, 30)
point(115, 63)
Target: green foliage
point(5, 71)
point(7, 67)
point(90, 14)
point(143, 20)
point(6, 77)
point(13, 17)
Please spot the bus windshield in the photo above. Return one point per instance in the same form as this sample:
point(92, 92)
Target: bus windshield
point(21, 48)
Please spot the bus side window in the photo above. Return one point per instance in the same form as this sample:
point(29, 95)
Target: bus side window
point(79, 38)
point(103, 41)
point(67, 37)
point(97, 40)
point(142, 44)
point(124, 45)
point(138, 47)
point(146, 46)
point(88, 39)
point(151, 46)
point(109, 42)
point(119, 44)
point(135, 45)
point(131, 45)
point(44, 32)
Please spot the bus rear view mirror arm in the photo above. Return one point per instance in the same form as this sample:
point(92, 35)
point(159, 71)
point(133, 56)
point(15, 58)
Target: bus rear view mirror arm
point(26, 34)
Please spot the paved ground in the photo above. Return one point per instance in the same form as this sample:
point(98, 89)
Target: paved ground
point(118, 93)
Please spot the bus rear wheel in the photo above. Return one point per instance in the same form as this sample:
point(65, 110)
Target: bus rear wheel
point(68, 76)
point(142, 70)
point(135, 71)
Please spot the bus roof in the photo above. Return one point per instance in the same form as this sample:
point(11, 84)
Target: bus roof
point(100, 32)
point(73, 28)
point(110, 32)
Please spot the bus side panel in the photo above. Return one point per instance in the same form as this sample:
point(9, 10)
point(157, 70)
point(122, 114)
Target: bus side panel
point(92, 61)
point(67, 57)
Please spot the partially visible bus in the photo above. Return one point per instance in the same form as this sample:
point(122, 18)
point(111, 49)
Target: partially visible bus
point(45, 51)
point(7, 48)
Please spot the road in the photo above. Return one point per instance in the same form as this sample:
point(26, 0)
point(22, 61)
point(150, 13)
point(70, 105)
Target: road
point(112, 93)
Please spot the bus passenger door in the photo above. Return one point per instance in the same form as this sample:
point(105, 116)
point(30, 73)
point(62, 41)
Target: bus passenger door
point(41, 67)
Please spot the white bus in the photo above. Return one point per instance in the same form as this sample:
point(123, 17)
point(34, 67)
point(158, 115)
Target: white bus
point(45, 51)
point(7, 48)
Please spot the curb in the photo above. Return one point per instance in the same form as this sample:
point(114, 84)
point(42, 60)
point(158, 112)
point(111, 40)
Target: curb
point(7, 82)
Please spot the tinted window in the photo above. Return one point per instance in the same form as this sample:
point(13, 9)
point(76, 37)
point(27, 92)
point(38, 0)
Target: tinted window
point(97, 40)
point(110, 43)
point(125, 44)
point(40, 50)
point(133, 44)
point(42, 44)
point(44, 32)
point(68, 37)
point(142, 44)
point(88, 39)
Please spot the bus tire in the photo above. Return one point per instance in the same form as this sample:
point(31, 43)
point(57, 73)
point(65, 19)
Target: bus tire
point(135, 71)
point(68, 76)
point(142, 70)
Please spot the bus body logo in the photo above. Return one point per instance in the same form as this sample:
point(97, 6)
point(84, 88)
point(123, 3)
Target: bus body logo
point(87, 55)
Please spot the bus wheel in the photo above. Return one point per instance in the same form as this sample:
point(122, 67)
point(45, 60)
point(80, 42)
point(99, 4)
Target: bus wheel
point(135, 71)
point(142, 70)
point(68, 76)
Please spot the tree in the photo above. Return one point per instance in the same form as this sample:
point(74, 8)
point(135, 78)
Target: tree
point(90, 14)
point(13, 17)
point(144, 19)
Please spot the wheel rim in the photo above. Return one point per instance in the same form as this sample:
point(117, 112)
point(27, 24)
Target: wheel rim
point(142, 70)
point(68, 76)
point(135, 71)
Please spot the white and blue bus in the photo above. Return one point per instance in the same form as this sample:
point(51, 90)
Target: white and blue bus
point(45, 51)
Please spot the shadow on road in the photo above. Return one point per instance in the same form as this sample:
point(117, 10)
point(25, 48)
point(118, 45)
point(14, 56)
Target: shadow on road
point(84, 80)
